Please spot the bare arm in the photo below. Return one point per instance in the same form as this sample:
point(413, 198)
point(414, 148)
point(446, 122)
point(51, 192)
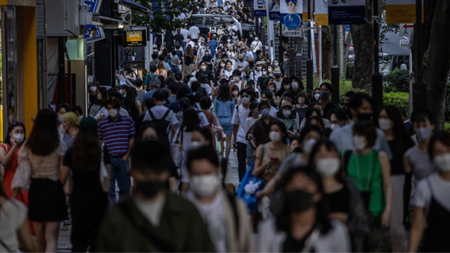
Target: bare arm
point(64, 173)
point(406, 164)
point(386, 173)
point(130, 145)
point(418, 225)
point(6, 157)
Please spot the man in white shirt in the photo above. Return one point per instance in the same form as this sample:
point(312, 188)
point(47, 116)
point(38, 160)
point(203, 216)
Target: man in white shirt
point(194, 31)
point(190, 42)
point(232, 26)
point(256, 45)
point(257, 73)
point(185, 34)
point(241, 63)
point(278, 80)
point(159, 111)
point(238, 120)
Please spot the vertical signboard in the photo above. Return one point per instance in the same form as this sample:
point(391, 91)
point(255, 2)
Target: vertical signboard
point(290, 7)
point(274, 10)
point(342, 12)
point(305, 10)
point(259, 8)
point(400, 11)
point(321, 9)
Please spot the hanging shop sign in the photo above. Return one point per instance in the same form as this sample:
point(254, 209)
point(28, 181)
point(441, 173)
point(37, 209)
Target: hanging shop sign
point(321, 12)
point(400, 11)
point(343, 12)
point(135, 39)
point(93, 33)
point(291, 7)
point(305, 10)
point(259, 8)
point(274, 10)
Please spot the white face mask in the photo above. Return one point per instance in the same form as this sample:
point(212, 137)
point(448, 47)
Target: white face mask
point(206, 185)
point(443, 162)
point(196, 144)
point(316, 97)
point(287, 113)
point(286, 60)
point(423, 134)
point(245, 100)
point(359, 142)
point(301, 101)
point(269, 70)
point(328, 167)
point(19, 137)
point(264, 73)
point(229, 41)
point(222, 65)
point(207, 53)
point(256, 39)
point(93, 89)
point(258, 68)
point(283, 101)
point(236, 79)
point(112, 112)
point(203, 67)
point(286, 87)
point(308, 145)
point(294, 85)
point(275, 64)
point(271, 89)
point(275, 136)
point(384, 124)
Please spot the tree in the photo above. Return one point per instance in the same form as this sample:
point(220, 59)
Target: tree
point(164, 14)
point(327, 51)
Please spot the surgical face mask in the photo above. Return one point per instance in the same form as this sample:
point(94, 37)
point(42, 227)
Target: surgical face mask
point(294, 85)
point(112, 112)
point(196, 144)
point(19, 137)
point(269, 70)
point(286, 60)
point(229, 41)
point(207, 53)
point(264, 73)
point(443, 162)
point(359, 142)
point(275, 64)
point(271, 89)
point(59, 118)
point(299, 200)
point(265, 112)
point(328, 167)
point(149, 188)
point(384, 124)
point(423, 134)
point(286, 87)
point(316, 97)
point(258, 68)
point(275, 136)
point(229, 67)
point(245, 100)
point(236, 79)
point(235, 93)
point(206, 185)
point(93, 89)
point(301, 101)
point(287, 113)
point(308, 145)
point(283, 101)
point(256, 39)
point(203, 67)
point(222, 65)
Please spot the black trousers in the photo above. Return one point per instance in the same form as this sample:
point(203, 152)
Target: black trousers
point(241, 156)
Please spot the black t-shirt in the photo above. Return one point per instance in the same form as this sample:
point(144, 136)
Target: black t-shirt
point(179, 38)
point(262, 82)
point(339, 201)
point(397, 154)
point(82, 179)
point(203, 76)
point(188, 60)
point(293, 245)
point(327, 109)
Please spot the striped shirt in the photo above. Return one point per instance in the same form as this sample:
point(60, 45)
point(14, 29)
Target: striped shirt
point(116, 135)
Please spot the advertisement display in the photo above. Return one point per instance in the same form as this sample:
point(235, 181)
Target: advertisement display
point(400, 11)
point(259, 8)
point(321, 7)
point(294, 7)
point(274, 10)
point(343, 12)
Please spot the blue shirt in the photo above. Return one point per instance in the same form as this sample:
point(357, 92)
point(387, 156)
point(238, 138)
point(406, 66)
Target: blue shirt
point(224, 109)
point(147, 95)
point(175, 106)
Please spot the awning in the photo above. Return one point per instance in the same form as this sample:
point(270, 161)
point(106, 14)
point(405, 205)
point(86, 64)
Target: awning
point(135, 6)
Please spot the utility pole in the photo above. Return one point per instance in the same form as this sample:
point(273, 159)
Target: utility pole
point(419, 87)
point(377, 79)
point(335, 70)
point(309, 62)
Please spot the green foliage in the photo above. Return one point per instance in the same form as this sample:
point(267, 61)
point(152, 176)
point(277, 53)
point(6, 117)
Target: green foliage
point(396, 81)
point(344, 87)
point(160, 10)
point(447, 102)
point(349, 71)
point(399, 99)
point(447, 126)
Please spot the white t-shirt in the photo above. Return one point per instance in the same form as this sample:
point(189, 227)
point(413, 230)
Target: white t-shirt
point(194, 31)
point(159, 111)
point(255, 75)
point(239, 119)
point(228, 73)
point(249, 122)
point(152, 210)
point(278, 84)
point(214, 215)
point(441, 192)
point(12, 216)
point(185, 33)
point(240, 65)
point(256, 45)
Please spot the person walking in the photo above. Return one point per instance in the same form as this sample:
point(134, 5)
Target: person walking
point(224, 110)
point(88, 199)
point(117, 134)
point(39, 160)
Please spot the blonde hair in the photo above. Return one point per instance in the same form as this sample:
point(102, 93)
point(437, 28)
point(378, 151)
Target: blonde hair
point(71, 118)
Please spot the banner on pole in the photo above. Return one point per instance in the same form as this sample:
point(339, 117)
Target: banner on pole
point(400, 11)
point(259, 8)
point(290, 7)
point(305, 10)
point(343, 12)
point(321, 8)
point(274, 10)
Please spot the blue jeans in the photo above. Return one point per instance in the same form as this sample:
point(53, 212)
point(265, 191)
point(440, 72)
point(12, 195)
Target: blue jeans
point(184, 45)
point(119, 172)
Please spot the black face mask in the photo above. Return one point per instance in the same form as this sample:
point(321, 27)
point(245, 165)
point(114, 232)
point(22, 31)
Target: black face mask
point(149, 188)
point(324, 95)
point(364, 116)
point(299, 200)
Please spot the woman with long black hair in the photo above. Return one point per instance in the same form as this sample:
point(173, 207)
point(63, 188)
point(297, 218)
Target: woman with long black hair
point(88, 200)
point(224, 109)
point(40, 160)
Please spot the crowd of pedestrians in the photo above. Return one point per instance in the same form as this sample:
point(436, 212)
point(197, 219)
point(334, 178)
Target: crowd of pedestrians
point(147, 168)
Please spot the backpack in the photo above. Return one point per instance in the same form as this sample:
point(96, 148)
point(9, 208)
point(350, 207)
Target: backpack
point(148, 78)
point(161, 125)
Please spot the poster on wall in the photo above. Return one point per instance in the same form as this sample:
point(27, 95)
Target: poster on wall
point(343, 12)
point(291, 7)
point(400, 11)
point(274, 10)
point(259, 8)
point(321, 15)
